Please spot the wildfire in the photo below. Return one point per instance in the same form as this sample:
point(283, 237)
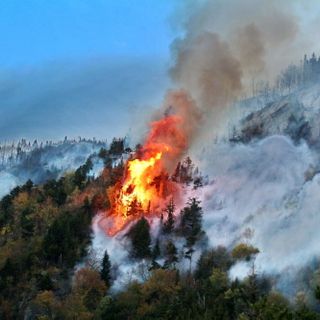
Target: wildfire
point(146, 183)
point(138, 189)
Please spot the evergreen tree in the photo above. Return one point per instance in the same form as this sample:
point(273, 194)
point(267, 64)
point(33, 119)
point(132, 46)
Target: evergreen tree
point(117, 146)
point(191, 225)
point(105, 272)
point(171, 255)
point(140, 239)
point(156, 250)
point(155, 254)
point(26, 223)
point(80, 175)
point(168, 226)
point(55, 190)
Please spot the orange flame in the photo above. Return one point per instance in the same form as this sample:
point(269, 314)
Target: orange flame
point(146, 183)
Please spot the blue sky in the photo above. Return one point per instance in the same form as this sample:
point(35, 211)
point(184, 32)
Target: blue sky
point(81, 67)
point(34, 31)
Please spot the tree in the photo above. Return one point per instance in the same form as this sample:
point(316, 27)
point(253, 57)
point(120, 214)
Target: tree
point(27, 186)
point(272, 307)
point(44, 281)
point(171, 255)
point(105, 272)
point(191, 225)
point(184, 171)
point(48, 305)
point(92, 299)
point(135, 208)
point(244, 252)
point(26, 223)
point(159, 295)
point(215, 258)
point(80, 175)
point(139, 235)
point(117, 146)
point(67, 237)
point(55, 190)
point(103, 153)
point(168, 225)
point(317, 292)
point(86, 279)
point(154, 255)
point(219, 280)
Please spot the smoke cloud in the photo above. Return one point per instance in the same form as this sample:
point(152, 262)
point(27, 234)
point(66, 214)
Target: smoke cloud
point(228, 46)
point(263, 186)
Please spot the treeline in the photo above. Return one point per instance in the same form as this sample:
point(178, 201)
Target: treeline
point(294, 76)
point(15, 151)
point(308, 71)
point(45, 230)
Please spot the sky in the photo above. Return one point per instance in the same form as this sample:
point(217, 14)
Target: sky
point(90, 68)
point(76, 67)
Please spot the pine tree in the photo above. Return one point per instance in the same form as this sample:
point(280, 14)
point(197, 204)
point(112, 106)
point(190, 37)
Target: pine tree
point(105, 272)
point(155, 254)
point(156, 250)
point(191, 225)
point(171, 255)
point(140, 239)
point(169, 224)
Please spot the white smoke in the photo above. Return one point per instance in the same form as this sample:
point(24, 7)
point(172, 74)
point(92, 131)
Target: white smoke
point(263, 186)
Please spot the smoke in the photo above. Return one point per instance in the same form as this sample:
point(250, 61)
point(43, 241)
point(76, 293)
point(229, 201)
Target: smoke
point(206, 67)
point(264, 186)
point(226, 47)
point(176, 128)
point(46, 163)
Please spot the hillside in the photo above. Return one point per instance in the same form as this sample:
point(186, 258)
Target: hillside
point(233, 246)
point(295, 115)
point(38, 162)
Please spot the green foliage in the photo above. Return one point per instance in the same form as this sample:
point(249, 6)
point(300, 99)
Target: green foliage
point(156, 250)
point(80, 175)
point(55, 190)
point(44, 281)
point(117, 146)
point(168, 225)
point(105, 272)
point(244, 252)
point(103, 153)
point(215, 258)
point(317, 292)
point(139, 235)
point(62, 239)
point(26, 223)
point(191, 222)
point(219, 280)
point(171, 255)
point(273, 307)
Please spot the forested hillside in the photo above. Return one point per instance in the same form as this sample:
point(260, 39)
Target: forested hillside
point(46, 232)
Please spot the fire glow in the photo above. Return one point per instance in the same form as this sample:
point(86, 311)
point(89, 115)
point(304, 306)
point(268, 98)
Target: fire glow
point(146, 184)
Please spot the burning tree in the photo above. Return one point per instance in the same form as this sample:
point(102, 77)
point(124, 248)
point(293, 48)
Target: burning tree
point(147, 182)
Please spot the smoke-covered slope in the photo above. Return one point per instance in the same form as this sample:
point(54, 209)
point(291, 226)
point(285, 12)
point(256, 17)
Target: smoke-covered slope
point(296, 115)
point(43, 163)
point(266, 179)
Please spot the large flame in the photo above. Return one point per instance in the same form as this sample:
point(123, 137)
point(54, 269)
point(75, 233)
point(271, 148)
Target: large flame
point(146, 183)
